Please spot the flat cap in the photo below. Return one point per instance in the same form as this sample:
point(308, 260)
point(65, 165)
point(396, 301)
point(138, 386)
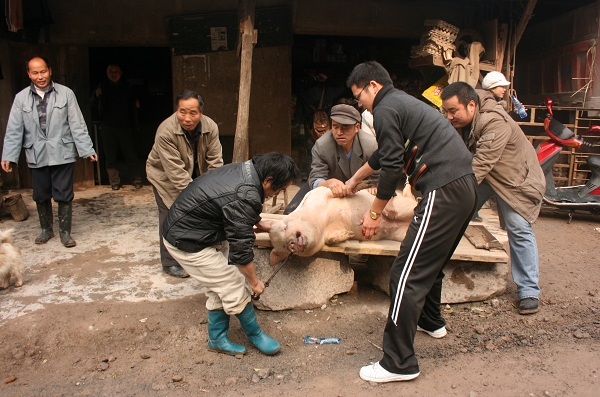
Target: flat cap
point(345, 114)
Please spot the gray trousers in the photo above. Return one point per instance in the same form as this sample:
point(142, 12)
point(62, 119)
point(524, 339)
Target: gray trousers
point(165, 257)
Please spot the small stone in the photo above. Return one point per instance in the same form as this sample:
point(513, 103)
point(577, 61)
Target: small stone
point(495, 303)
point(546, 319)
point(111, 359)
point(579, 334)
point(102, 367)
point(264, 373)
point(280, 377)
point(464, 350)
point(255, 378)
point(323, 307)
point(159, 386)
point(203, 321)
point(176, 378)
point(546, 393)
point(145, 356)
point(230, 381)
point(486, 383)
point(350, 352)
point(454, 386)
point(480, 329)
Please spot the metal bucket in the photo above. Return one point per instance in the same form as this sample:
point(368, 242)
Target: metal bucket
point(17, 208)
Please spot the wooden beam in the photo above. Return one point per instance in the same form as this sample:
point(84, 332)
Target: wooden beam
point(248, 37)
point(524, 21)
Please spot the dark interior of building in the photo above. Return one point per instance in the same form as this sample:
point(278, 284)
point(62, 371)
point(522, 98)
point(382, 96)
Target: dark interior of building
point(148, 70)
point(320, 67)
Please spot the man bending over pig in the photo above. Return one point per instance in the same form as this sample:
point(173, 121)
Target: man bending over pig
point(209, 231)
point(338, 154)
point(413, 136)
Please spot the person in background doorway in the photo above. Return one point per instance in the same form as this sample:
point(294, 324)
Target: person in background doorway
point(46, 121)
point(186, 145)
point(116, 103)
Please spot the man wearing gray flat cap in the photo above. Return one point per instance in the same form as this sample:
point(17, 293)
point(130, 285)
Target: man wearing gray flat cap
point(338, 154)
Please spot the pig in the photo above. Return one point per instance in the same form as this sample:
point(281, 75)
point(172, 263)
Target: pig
point(323, 219)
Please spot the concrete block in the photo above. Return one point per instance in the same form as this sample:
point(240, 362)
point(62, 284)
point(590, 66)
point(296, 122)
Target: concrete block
point(464, 281)
point(303, 283)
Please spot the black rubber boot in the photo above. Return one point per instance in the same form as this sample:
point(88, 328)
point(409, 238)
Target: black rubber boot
point(45, 213)
point(65, 214)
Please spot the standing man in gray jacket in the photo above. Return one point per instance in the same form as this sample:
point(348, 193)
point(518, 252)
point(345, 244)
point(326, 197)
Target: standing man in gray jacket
point(46, 121)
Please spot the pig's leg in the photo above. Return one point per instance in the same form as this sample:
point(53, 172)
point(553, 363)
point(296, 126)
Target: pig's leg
point(338, 236)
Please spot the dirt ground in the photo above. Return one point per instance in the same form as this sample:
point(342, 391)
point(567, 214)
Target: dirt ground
point(101, 319)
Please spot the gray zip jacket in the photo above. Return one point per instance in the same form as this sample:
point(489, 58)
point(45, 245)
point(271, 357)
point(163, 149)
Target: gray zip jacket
point(66, 132)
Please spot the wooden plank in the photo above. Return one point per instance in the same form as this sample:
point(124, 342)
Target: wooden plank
point(464, 252)
point(480, 237)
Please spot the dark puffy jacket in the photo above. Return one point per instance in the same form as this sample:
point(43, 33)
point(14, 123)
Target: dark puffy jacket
point(222, 204)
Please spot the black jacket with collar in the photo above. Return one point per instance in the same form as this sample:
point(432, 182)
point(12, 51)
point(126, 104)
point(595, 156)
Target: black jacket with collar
point(398, 118)
point(221, 204)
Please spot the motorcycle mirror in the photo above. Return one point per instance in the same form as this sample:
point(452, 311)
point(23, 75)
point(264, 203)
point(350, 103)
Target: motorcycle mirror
point(548, 103)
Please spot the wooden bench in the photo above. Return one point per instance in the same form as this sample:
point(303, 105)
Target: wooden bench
point(464, 252)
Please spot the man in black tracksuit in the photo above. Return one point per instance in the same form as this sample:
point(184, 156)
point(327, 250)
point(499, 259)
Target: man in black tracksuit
point(415, 137)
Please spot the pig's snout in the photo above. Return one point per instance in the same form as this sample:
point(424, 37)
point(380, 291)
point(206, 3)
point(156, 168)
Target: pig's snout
point(297, 243)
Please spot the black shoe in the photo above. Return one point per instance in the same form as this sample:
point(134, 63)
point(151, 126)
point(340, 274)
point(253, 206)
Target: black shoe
point(175, 271)
point(528, 306)
point(115, 186)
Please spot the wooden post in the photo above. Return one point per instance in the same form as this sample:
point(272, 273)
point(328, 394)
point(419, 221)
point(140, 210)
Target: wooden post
point(241, 142)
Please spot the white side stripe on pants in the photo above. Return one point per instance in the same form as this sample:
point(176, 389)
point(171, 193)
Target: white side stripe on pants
point(411, 257)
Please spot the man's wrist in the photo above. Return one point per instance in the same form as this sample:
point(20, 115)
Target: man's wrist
point(374, 215)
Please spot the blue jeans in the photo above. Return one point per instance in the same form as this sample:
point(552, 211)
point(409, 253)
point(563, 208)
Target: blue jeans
point(523, 246)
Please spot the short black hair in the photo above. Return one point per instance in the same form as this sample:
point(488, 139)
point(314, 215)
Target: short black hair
point(363, 73)
point(187, 94)
point(42, 58)
point(278, 166)
point(463, 91)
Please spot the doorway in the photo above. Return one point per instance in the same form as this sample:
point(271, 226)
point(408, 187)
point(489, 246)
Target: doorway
point(320, 66)
point(148, 70)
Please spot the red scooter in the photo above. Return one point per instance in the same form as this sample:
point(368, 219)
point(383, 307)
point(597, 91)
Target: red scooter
point(583, 197)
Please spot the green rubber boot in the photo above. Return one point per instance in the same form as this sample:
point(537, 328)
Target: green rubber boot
point(262, 341)
point(218, 325)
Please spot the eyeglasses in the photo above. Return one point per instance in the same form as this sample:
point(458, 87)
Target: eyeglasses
point(357, 97)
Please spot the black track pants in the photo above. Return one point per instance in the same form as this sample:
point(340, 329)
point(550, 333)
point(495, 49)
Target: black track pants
point(440, 220)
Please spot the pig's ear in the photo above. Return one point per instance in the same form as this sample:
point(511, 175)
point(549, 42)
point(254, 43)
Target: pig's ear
point(277, 255)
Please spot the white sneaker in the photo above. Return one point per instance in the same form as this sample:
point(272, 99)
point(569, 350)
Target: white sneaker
point(438, 333)
point(376, 373)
